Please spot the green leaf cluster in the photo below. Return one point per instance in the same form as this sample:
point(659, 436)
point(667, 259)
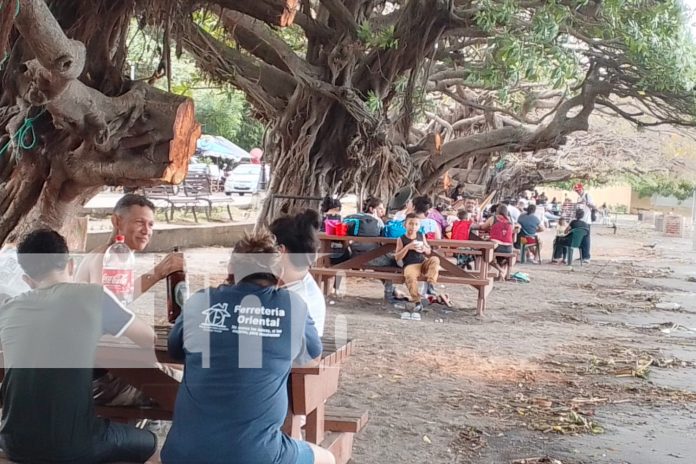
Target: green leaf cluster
point(647, 186)
point(220, 109)
point(382, 39)
point(550, 44)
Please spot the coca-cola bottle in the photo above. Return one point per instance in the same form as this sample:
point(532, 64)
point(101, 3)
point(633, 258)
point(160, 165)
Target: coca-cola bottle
point(118, 270)
point(177, 293)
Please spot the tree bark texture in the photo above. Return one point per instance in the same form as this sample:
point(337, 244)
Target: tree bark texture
point(340, 118)
point(93, 127)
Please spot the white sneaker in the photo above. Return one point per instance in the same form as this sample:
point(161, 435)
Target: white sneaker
point(415, 316)
point(406, 315)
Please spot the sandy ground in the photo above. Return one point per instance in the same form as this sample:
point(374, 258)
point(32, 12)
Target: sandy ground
point(556, 369)
point(579, 365)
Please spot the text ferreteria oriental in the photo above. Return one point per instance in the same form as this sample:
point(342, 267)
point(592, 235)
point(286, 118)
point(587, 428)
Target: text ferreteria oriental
point(270, 317)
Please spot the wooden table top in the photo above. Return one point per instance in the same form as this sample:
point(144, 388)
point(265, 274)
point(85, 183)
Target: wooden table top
point(111, 351)
point(483, 245)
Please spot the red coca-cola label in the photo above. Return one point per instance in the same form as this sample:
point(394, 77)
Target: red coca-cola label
point(119, 281)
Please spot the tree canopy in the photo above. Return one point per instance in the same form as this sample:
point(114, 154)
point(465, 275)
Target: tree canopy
point(357, 95)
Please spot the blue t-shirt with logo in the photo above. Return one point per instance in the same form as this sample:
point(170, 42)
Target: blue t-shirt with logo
point(238, 343)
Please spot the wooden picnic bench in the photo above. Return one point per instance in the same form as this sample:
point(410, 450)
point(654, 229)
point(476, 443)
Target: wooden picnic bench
point(358, 265)
point(309, 388)
point(512, 258)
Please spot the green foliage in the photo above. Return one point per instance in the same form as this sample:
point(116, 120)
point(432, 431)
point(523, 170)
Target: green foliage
point(294, 36)
point(382, 39)
point(587, 183)
point(658, 42)
point(374, 103)
point(647, 186)
point(536, 45)
point(523, 50)
point(493, 14)
point(220, 109)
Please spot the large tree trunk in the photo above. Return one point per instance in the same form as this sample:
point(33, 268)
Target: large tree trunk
point(317, 148)
point(91, 126)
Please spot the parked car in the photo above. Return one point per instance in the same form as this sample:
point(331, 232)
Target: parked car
point(246, 178)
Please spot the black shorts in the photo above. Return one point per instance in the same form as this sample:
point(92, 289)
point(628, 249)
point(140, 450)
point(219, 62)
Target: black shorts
point(502, 249)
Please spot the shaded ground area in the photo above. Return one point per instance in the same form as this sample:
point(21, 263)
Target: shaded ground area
point(578, 366)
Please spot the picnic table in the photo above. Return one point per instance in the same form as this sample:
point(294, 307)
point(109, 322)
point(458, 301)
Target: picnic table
point(309, 388)
point(358, 266)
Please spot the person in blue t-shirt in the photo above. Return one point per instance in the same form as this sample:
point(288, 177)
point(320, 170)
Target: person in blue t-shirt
point(238, 343)
point(530, 226)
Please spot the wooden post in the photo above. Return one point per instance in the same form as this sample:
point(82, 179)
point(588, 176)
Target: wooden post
point(315, 425)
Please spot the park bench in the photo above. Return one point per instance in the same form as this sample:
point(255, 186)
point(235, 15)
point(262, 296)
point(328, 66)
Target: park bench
point(165, 195)
point(358, 266)
point(198, 185)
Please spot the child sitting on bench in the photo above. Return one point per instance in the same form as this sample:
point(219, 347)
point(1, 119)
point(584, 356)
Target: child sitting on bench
point(412, 248)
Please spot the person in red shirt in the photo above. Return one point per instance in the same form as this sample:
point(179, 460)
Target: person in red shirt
point(461, 227)
point(459, 230)
point(501, 232)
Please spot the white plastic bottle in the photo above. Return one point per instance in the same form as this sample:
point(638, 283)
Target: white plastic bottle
point(118, 270)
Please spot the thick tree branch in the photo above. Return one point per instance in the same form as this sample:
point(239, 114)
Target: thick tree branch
point(342, 16)
point(254, 36)
point(62, 57)
point(419, 27)
point(277, 12)
point(268, 87)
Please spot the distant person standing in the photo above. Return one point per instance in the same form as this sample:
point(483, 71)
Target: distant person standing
point(605, 214)
point(585, 204)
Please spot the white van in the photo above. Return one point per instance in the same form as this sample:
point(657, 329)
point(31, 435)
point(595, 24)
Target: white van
point(246, 178)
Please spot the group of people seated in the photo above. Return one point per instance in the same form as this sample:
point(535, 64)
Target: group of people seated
point(413, 221)
point(237, 342)
point(511, 224)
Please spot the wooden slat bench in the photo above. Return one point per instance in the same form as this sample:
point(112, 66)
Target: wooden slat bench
point(358, 266)
point(345, 420)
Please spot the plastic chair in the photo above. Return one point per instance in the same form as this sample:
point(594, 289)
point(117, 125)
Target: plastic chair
point(523, 249)
point(577, 236)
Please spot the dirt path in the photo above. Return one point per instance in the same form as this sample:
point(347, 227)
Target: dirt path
point(578, 365)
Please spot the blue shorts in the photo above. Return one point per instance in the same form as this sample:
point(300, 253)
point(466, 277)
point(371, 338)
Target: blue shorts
point(306, 455)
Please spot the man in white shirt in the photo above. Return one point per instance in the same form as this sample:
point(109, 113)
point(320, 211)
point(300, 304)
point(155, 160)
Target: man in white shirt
point(513, 211)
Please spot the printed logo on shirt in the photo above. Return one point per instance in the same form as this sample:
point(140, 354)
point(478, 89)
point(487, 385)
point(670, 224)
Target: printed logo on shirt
point(258, 320)
point(215, 317)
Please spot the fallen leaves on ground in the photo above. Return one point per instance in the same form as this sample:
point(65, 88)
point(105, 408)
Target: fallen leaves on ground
point(469, 440)
point(544, 460)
